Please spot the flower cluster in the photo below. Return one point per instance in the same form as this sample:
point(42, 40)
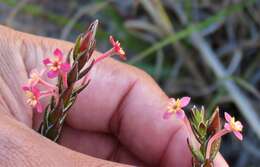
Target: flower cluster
point(207, 131)
point(57, 66)
point(72, 72)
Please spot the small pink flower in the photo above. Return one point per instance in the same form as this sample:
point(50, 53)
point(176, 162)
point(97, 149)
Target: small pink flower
point(230, 126)
point(56, 64)
point(175, 107)
point(117, 48)
point(33, 97)
point(235, 126)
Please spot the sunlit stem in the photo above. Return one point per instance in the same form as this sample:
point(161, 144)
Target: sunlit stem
point(47, 85)
point(50, 93)
point(109, 53)
point(216, 136)
point(47, 94)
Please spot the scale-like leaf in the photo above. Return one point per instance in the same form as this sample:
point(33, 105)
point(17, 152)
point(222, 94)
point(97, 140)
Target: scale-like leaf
point(195, 153)
point(73, 74)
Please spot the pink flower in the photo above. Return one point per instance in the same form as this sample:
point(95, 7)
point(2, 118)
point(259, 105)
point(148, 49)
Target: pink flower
point(230, 126)
point(234, 126)
point(175, 107)
point(56, 64)
point(117, 48)
point(33, 97)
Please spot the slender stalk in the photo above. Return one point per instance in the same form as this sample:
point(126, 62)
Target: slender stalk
point(105, 55)
point(47, 85)
point(213, 138)
point(47, 93)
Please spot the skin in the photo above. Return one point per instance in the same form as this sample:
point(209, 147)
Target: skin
point(117, 118)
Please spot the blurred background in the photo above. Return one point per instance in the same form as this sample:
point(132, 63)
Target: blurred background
point(207, 49)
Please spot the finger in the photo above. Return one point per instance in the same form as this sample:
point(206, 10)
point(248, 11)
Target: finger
point(21, 146)
point(100, 145)
point(126, 102)
point(12, 76)
point(220, 162)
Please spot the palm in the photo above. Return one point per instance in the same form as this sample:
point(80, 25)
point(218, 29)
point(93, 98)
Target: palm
point(119, 116)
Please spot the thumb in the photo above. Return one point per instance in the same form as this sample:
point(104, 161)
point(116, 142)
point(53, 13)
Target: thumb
point(21, 146)
point(19, 53)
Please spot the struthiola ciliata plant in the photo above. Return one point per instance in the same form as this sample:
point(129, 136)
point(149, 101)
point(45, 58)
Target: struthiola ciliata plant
point(72, 76)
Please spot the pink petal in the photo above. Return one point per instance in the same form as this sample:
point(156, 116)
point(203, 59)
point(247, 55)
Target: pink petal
point(185, 101)
point(238, 135)
point(172, 100)
point(46, 61)
point(180, 114)
point(57, 52)
point(111, 39)
point(167, 115)
point(65, 67)
point(227, 117)
point(36, 92)
point(53, 74)
point(227, 127)
point(42, 72)
point(25, 87)
point(39, 107)
point(239, 124)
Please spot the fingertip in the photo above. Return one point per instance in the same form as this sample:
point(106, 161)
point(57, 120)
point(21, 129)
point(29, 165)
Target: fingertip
point(220, 161)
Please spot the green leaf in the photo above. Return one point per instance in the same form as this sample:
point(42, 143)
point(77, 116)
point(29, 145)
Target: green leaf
point(66, 95)
point(215, 148)
point(202, 130)
point(76, 47)
point(46, 115)
point(196, 153)
point(82, 58)
point(80, 88)
point(86, 70)
point(73, 74)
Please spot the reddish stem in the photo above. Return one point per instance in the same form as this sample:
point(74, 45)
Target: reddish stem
point(216, 136)
point(46, 94)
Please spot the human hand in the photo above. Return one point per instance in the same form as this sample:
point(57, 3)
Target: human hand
point(118, 117)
